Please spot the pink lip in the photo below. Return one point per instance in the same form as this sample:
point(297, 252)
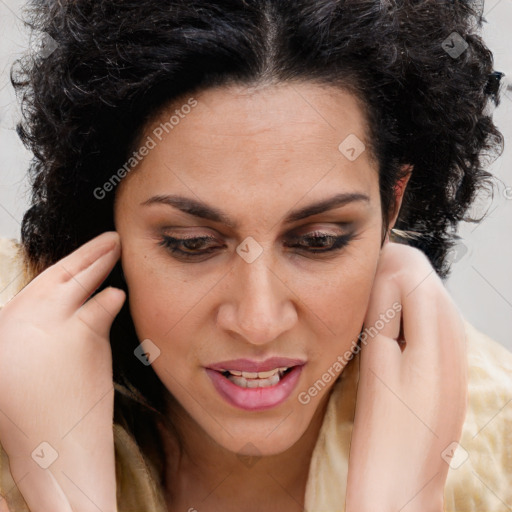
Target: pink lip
point(256, 399)
point(247, 365)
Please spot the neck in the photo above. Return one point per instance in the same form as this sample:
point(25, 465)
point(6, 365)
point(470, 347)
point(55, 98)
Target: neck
point(222, 480)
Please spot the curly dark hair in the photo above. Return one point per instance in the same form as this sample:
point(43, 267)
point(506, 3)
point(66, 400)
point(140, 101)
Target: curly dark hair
point(419, 67)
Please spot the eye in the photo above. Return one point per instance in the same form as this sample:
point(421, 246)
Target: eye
point(313, 243)
point(318, 242)
point(189, 247)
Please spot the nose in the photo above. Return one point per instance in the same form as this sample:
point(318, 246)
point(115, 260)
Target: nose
point(259, 306)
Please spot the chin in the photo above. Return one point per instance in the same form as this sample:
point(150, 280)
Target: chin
point(271, 438)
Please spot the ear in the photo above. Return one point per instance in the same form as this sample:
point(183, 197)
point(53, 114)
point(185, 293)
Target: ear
point(399, 193)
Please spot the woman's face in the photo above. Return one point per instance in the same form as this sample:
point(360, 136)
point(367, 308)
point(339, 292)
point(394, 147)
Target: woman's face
point(258, 181)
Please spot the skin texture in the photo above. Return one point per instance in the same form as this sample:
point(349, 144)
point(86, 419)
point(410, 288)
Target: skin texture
point(256, 155)
point(58, 375)
point(412, 395)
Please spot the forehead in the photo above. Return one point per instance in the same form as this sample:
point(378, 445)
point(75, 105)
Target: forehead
point(289, 135)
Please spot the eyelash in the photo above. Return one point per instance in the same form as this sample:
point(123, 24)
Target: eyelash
point(337, 243)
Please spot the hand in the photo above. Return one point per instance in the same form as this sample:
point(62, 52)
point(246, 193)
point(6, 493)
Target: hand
point(412, 393)
point(56, 382)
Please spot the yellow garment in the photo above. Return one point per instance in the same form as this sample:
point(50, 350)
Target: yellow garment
point(482, 483)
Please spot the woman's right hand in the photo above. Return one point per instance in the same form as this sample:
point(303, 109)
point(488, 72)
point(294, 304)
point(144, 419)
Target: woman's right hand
point(412, 391)
point(57, 394)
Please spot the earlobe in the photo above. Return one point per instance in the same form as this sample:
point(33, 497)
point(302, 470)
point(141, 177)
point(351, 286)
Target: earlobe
point(400, 186)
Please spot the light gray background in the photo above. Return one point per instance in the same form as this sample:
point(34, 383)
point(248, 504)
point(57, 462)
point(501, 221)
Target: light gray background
point(481, 281)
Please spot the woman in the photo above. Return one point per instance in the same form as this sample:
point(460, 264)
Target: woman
point(252, 158)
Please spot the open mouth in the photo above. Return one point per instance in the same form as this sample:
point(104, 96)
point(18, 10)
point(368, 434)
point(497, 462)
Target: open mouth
point(257, 379)
point(255, 391)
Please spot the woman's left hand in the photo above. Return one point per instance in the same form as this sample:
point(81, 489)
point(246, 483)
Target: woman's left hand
point(412, 392)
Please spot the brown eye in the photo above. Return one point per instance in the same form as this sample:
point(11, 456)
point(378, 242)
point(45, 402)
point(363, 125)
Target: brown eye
point(319, 242)
point(189, 247)
point(311, 243)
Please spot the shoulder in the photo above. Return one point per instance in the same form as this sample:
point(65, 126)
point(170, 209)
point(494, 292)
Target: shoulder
point(480, 475)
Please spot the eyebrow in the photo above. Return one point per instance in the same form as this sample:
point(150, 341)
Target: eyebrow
point(205, 211)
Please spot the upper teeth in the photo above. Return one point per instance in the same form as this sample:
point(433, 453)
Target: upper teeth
point(258, 375)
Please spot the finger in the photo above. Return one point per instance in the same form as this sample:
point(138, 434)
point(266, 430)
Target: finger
point(381, 352)
point(85, 255)
point(99, 311)
point(39, 488)
point(435, 342)
point(104, 249)
point(431, 321)
point(384, 309)
point(435, 355)
point(80, 259)
point(3, 505)
point(380, 360)
point(83, 284)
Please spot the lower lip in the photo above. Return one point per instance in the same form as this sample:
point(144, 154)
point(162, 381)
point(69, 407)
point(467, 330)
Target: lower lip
point(255, 399)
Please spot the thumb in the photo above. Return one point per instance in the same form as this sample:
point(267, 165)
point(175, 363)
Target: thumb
point(382, 353)
point(100, 310)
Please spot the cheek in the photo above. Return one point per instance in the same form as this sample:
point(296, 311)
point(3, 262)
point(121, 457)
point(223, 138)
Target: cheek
point(340, 300)
point(148, 293)
point(163, 299)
